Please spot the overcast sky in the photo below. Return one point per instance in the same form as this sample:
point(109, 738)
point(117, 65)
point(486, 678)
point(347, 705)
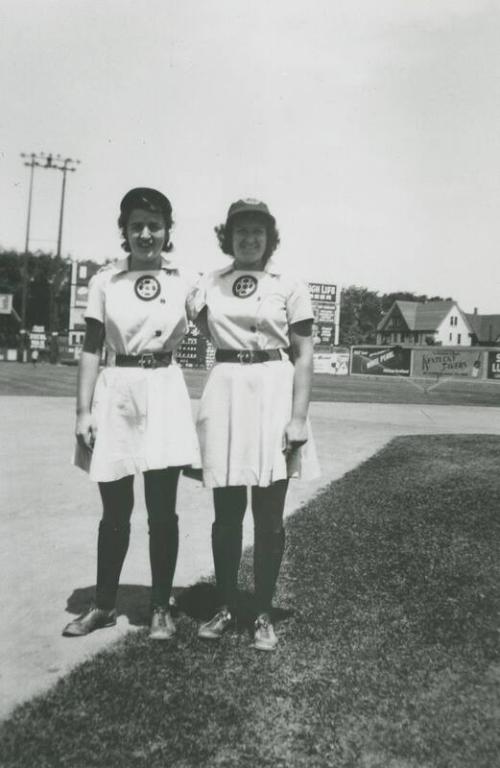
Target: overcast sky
point(370, 127)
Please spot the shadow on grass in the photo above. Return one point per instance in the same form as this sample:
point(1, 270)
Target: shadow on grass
point(198, 601)
point(391, 658)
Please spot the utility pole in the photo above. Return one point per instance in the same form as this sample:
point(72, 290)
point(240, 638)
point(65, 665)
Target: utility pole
point(65, 165)
point(32, 161)
point(57, 163)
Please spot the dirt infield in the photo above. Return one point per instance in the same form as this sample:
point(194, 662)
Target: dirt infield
point(48, 526)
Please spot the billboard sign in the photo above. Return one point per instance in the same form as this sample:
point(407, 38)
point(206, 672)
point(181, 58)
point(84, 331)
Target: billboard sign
point(38, 337)
point(493, 365)
point(334, 363)
point(381, 361)
point(440, 361)
point(324, 302)
point(81, 296)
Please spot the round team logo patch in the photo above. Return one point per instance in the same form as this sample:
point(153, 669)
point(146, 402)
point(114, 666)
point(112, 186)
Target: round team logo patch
point(147, 288)
point(245, 286)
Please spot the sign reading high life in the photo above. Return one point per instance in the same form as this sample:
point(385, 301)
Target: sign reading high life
point(324, 302)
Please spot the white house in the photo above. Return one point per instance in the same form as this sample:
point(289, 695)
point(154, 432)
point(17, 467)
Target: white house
point(425, 322)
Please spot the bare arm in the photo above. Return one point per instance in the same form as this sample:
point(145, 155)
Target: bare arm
point(302, 355)
point(88, 370)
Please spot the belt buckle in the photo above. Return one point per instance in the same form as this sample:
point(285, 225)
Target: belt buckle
point(147, 360)
point(245, 356)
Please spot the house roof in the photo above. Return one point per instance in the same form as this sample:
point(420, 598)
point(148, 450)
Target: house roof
point(486, 327)
point(420, 315)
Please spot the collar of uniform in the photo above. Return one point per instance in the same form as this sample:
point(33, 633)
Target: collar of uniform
point(271, 267)
point(167, 263)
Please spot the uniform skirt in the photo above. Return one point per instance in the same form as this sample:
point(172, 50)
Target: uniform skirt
point(144, 422)
point(243, 413)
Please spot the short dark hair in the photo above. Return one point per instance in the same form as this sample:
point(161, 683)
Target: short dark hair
point(224, 234)
point(145, 199)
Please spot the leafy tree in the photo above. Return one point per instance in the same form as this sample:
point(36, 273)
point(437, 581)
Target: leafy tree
point(48, 280)
point(359, 315)
point(363, 309)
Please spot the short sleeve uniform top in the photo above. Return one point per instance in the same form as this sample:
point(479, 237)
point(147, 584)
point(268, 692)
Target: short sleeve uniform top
point(143, 415)
point(244, 409)
point(141, 310)
point(251, 309)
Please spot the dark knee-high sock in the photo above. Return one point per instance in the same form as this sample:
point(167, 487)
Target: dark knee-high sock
point(226, 549)
point(230, 505)
point(112, 546)
point(163, 549)
point(269, 542)
point(160, 486)
point(268, 554)
point(112, 542)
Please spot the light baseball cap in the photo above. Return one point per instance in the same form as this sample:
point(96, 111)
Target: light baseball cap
point(249, 205)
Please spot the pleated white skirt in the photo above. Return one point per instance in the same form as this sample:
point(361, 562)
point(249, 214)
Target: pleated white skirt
point(243, 413)
point(144, 422)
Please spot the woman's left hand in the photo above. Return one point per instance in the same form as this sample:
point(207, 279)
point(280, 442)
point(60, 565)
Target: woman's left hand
point(295, 435)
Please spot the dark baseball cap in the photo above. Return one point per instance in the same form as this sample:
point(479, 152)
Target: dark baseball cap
point(146, 198)
point(249, 205)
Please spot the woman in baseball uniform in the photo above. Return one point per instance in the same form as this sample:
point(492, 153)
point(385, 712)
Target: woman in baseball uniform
point(252, 421)
point(135, 416)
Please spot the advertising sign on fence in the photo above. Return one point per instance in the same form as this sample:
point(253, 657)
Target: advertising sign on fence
point(442, 361)
point(493, 365)
point(381, 361)
point(335, 363)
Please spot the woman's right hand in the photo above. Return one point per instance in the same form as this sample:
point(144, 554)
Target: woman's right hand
point(86, 430)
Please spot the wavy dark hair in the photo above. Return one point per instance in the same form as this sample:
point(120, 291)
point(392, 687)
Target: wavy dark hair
point(224, 234)
point(146, 206)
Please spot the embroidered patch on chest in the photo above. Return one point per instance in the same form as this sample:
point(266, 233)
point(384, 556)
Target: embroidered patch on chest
point(245, 286)
point(147, 288)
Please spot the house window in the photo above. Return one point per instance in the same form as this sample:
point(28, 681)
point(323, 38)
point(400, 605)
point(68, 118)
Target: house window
point(459, 338)
point(451, 336)
point(451, 320)
point(415, 335)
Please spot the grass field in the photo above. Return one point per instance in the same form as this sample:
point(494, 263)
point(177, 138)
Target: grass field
point(45, 379)
point(388, 618)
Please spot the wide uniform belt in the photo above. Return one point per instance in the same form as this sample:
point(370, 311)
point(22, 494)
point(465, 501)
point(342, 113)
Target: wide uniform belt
point(247, 355)
point(144, 360)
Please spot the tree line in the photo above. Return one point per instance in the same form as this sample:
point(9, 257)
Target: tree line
point(48, 288)
point(361, 310)
point(48, 279)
